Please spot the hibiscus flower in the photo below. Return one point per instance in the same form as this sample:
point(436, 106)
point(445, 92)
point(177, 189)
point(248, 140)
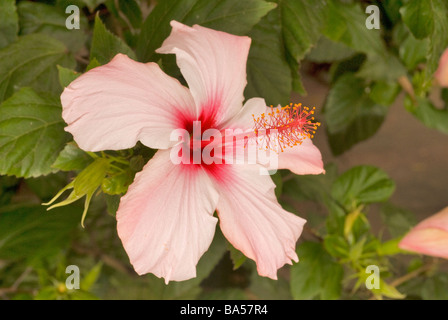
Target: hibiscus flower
point(166, 219)
point(429, 237)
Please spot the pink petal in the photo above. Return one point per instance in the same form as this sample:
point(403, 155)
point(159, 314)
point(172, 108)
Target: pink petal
point(438, 221)
point(165, 220)
point(302, 159)
point(244, 119)
point(433, 242)
point(429, 236)
point(111, 107)
point(214, 65)
point(254, 222)
point(441, 73)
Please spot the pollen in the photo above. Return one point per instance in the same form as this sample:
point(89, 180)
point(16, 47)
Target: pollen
point(284, 127)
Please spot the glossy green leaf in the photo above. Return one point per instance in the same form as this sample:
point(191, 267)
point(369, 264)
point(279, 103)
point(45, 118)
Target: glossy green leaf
point(106, 45)
point(72, 158)
point(31, 134)
point(9, 25)
point(31, 61)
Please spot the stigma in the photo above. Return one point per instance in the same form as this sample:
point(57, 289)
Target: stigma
point(284, 127)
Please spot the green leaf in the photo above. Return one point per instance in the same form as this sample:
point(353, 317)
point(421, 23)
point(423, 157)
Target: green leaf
point(232, 16)
point(438, 42)
point(66, 76)
point(432, 117)
point(118, 183)
point(106, 45)
point(268, 73)
point(419, 17)
point(362, 185)
point(413, 51)
point(345, 23)
point(51, 20)
point(91, 277)
point(128, 11)
point(327, 51)
point(397, 220)
point(72, 158)
point(316, 274)
point(9, 24)
point(31, 134)
point(27, 232)
point(382, 67)
point(351, 116)
point(384, 92)
point(238, 258)
point(31, 61)
point(301, 24)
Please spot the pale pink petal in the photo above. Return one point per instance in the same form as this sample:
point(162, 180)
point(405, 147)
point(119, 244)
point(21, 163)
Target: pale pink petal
point(254, 222)
point(429, 236)
point(431, 241)
point(165, 220)
point(302, 159)
point(111, 107)
point(214, 65)
point(438, 221)
point(441, 73)
point(244, 119)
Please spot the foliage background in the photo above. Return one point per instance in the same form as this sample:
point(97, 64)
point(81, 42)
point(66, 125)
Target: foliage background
point(318, 52)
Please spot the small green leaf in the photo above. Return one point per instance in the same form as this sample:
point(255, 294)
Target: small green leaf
point(72, 158)
point(238, 258)
point(118, 183)
point(9, 24)
point(362, 185)
point(106, 45)
point(31, 134)
point(91, 277)
point(66, 76)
